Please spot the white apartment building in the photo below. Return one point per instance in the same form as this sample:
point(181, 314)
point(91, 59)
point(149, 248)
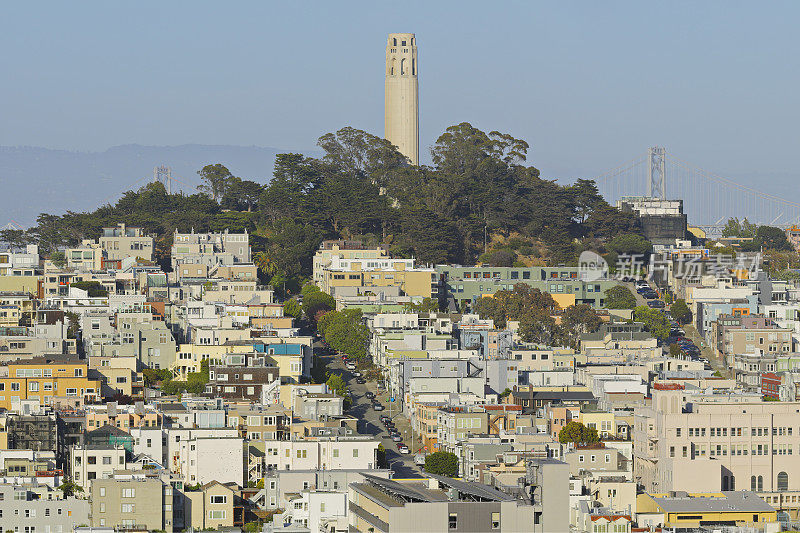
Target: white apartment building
point(90, 463)
point(324, 453)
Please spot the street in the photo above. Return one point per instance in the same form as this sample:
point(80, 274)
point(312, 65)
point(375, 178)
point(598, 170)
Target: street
point(369, 419)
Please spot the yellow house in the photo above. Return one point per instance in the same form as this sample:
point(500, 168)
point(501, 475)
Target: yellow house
point(44, 378)
point(9, 315)
point(691, 510)
point(602, 421)
point(363, 274)
point(189, 357)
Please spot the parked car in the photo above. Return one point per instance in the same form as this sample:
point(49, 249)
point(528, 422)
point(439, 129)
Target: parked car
point(350, 366)
point(361, 381)
point(369, 394)
point(396, 438)
point(402, 448)
point(377, 407)
point(384, 418)
point(419, 459)
point(655, 304)
point(356, 373)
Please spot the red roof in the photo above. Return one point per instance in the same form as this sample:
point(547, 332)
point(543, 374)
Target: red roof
point(668, 386)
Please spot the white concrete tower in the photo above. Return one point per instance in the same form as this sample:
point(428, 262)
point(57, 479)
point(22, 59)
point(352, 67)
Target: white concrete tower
point(401, 121)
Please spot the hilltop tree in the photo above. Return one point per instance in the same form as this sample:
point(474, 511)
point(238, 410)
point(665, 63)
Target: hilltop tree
point(216, 180)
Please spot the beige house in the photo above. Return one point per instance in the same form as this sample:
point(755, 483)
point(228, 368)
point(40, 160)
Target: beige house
point(132, 503)
point(375, 275)
point(211, 507)
point(344, 249)
point(121, 242)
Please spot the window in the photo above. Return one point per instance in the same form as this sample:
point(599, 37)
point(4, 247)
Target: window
point(128, 493)
point(128, 507)
point(217, 515)
point(219, 499)
point(452, 522)
point(495, 520)
point(783, 481)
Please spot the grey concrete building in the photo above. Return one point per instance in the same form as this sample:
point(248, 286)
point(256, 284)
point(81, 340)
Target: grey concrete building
point(438, 504)
point(132, 503)
point(32, 508)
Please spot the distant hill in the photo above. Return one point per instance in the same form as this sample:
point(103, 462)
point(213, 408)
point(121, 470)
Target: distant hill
point(37, 180)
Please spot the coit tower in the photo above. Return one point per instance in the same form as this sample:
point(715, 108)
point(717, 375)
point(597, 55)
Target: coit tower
point(401, 121)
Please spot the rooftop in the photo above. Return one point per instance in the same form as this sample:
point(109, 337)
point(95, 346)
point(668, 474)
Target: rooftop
point(722, 502)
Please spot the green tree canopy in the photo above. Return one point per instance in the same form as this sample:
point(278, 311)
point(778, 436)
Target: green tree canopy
point(292, 308)
point(216, 180)
point(620, 297)
point(346, 332)
point(680, 311)
point(314, 301)
point(654, 321)
point(577, 434)
point(442, 464)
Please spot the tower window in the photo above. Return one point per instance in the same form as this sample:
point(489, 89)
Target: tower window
point(402, 66)
point(403, 43)
point(394, 42)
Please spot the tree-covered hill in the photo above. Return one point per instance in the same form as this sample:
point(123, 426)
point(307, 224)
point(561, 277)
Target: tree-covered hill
point(479, 187)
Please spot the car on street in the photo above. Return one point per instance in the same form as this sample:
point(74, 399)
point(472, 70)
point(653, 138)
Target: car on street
point(369, 395)
point(361, 381)
point(356, 373)
point(419, 459)
point(377, 407)
point(350, 366)
point(384, 418)
point(402, 448)
point(655, 304)
point(396, 438)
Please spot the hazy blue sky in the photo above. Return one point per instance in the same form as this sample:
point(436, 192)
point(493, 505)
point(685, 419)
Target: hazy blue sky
point(587, 84)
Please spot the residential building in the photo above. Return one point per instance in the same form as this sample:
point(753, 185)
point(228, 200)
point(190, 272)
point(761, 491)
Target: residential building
point(344, 276)
point(90, 463)
point(45, 379)
point(143, 503)
point(40, 507)
point(464, 285)
point(681, 509)
point(345, 250)
point(447, 504)
point(122, 242)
